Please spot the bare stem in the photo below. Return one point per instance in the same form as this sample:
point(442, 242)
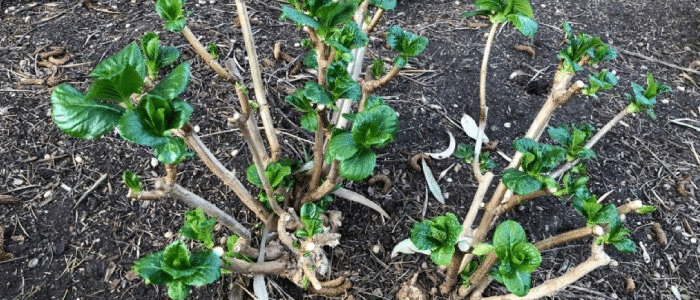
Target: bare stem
point(258, 86)
point(228, 177)
point(516, 200)
point(258, 161)
point(170, 173)
point(189, 198)
point(629, 207)
point(375, 20)
point(206, 56)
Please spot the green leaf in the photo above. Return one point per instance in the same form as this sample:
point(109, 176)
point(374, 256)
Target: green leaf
point(167, 55)
point(118, 86)
point(174, 84)
point(171, 12)
point(310, 61)
point(214, 50)
point(341, 84)
point(646, 209)
point(384, 4)
point(404, 42)
point(375, 127)
point(526, 25)
point(440, 232)
point(520, 182)
point(359, 166)
point(522, 7)
point(606, 215)
point(299, 101)
point(525, 257)
point(317, 93)
point(132, 181)
point(181, 112)
point(309, 215)
point(465, 152)
point(581, 45)
point(602, 81)
point(277, 173)
point(130, 55)
point(400, 61)
point(309, 121)
point(507, 235)
point(178, 290)
point(495, 6)
point(151, 270)
point(625, 246)
point(298, 17)
point(206, 267)
point(342, 146)
point(349, 37)
point(442, 256)
point(251, 173)
point(198, 227)
point(334, 13)
point(518, 284)
point(81, 117)
point(150, 44)
point(176, 260)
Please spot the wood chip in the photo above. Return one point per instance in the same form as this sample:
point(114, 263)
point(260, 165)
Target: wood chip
point(659, 233)
point(525, 48)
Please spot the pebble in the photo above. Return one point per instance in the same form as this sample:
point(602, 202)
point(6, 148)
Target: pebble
point(33, 262)
point(507, 125)
point(17, 182)
point(154, 162)
point(196, 128)
point(376, 249)
point(59, 248)
point(78, 159)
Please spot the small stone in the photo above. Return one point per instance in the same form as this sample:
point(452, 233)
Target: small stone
point(59, 248)
point(376, 249)
point(234, 152)
point(693, 240)
point(17, 182)
point(424, 266)
point(154, 162)
point(168, 234)
point(78, 159)
point(48, 193)
point(33, 262)
point(507, 125)
point(17, 238)
point(196, 128)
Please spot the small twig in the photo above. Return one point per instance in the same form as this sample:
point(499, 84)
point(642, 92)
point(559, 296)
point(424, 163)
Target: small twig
point(206, 56)
point(654, 60)
point(92, 188)
point(9, 200)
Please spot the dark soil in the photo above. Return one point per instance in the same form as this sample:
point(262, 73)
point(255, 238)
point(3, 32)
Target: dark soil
point(70, 249)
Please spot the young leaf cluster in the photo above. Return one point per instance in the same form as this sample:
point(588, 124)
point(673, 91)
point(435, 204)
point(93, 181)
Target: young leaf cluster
point(277, 173)
point(108, 103)
point(583, 45)
point(601, 81)
point(518, 257)
point(310, 217)
point(518, 12)
point(438, 235)
point(573, 140)
point(374, 127)
point(132, 181)
point(332, 22)
point(538, 158)
point(157, 56)
point(198, 227)
point(179, 269)
point(465, 152)
point(406, 44)
point(171, 12)
point(644, 99)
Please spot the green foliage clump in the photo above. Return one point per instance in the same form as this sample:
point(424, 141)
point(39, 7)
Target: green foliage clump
point(518, 257)
point(518, 12)
point(644, 99)
point(438, 235)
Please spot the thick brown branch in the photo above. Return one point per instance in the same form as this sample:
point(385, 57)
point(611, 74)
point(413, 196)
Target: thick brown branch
point(275, 267)
point(375, 20)
point(516, 200)
point(170, 173)
point(224, 174)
